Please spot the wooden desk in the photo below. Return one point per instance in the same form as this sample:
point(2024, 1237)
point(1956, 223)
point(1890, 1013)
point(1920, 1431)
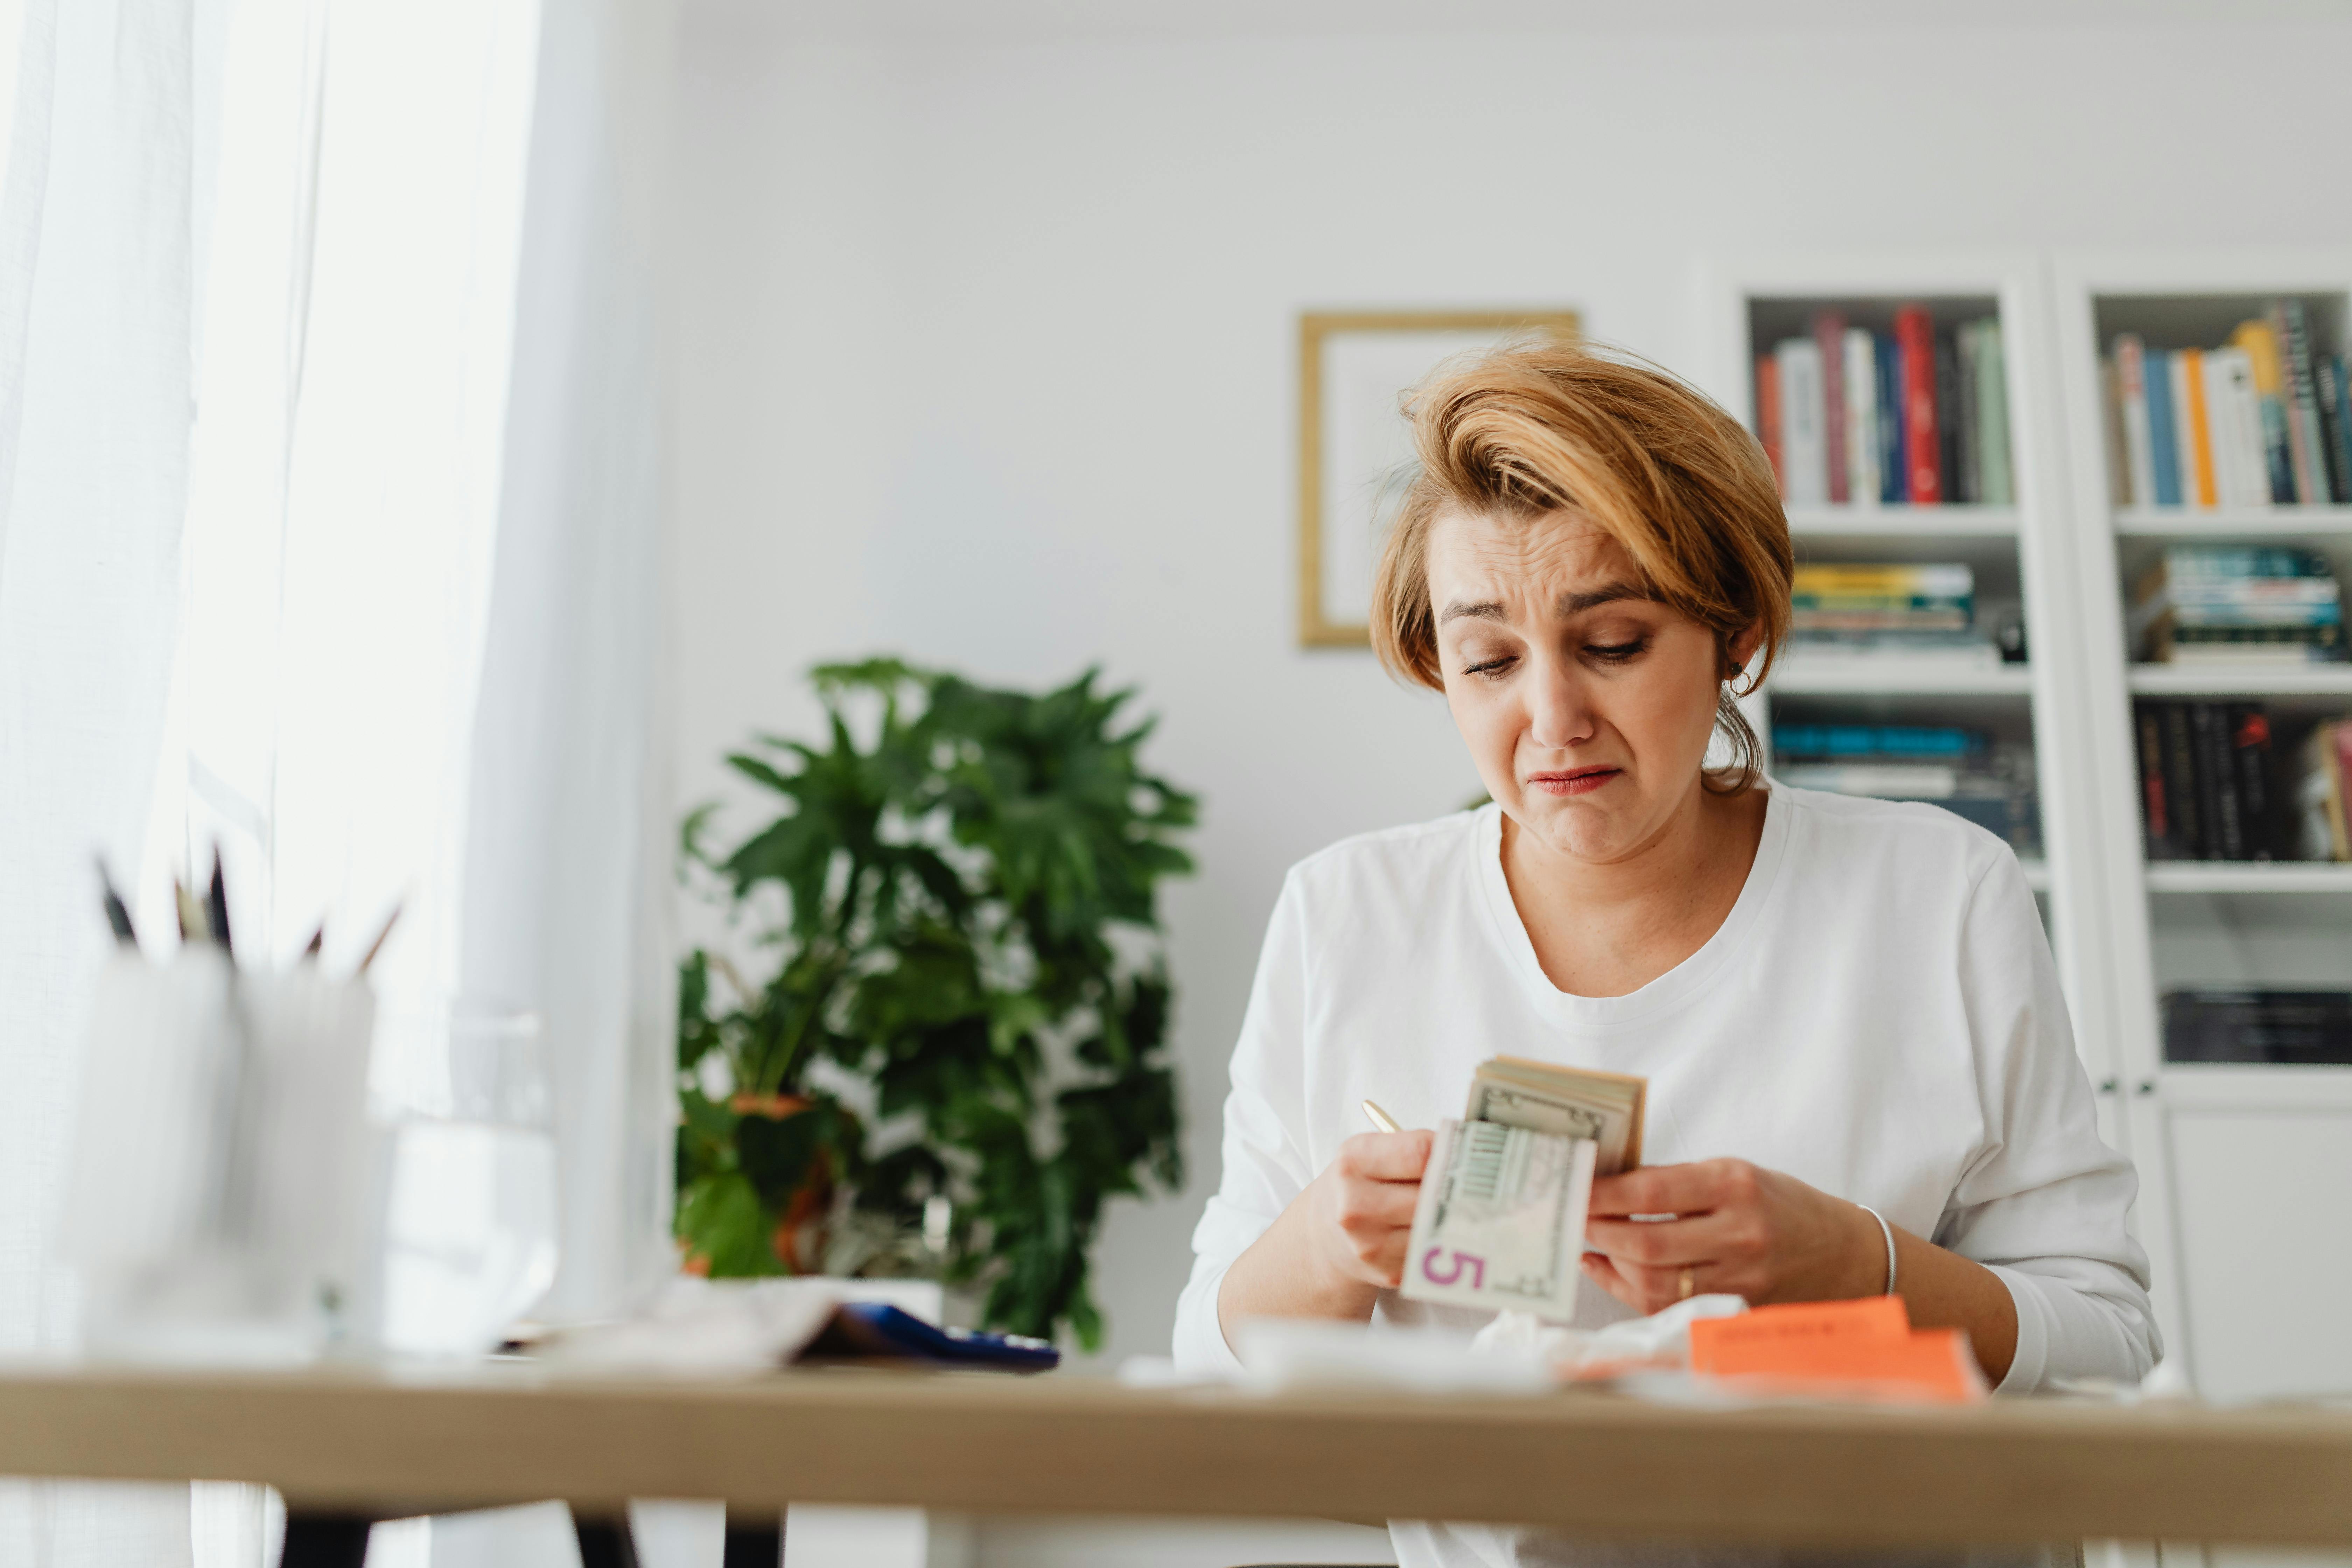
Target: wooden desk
point(388, 1442)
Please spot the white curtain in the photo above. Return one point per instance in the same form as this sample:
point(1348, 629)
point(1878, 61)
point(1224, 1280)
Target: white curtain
point(567, 875)
point(96, 305)
point(382, 619)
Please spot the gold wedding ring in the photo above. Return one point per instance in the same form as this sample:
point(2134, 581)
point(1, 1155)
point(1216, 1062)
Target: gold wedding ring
point(1685, 1283)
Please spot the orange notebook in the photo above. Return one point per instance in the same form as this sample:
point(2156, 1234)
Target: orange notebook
point(1865, 1347)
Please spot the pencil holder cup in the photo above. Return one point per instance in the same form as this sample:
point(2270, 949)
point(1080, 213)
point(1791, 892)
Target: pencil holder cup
point(213, 1206)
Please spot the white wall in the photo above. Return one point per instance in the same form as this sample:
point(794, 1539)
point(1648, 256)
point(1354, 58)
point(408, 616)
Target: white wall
point(986, 353)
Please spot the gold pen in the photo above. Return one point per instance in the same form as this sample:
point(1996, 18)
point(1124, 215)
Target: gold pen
point(1381, 1118)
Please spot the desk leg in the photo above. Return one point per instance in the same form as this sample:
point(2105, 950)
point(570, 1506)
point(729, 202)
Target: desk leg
point(324, 1540)
point(606, 1544)
point(754, 1540)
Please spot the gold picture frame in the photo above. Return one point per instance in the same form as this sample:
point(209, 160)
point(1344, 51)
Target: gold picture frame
point(1396, 337)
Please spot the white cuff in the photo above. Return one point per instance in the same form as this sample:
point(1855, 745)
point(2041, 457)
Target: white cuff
point(2033, 1357)
point(1201, 1348)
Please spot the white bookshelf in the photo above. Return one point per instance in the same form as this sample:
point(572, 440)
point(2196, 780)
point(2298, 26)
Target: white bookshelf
point(2016, 551)
point(1891, 676)
point(2229, 1156)
point(2333, 681)
point(1878, 519)
point(2259, 879)
point(2238, 1164)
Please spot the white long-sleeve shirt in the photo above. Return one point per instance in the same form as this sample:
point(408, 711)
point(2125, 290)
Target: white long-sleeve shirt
point(1878, 1016)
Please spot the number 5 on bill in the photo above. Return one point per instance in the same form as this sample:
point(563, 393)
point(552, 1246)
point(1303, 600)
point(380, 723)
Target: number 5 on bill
point(1501, 1222)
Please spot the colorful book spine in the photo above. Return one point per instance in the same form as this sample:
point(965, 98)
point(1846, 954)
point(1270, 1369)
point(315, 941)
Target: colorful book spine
point(1767, 417)
point(1966, 470)
point(1861, 483)
point(1915, 337)
point(2196, 472)
point(2305, 440)
point(2324, 776)
point(1893, 478)
point(1805, 454)
point(1829, 341)
point(2156, 806)
point(1932, 580)
point(2247, 726)
point(1998, 479)
point(1951, 414)
point(2217, 794)
point(2131, 388)
point(2238, 422)
point(2337, 402)
point(2163, 447)
point(2181, 781)
point(2260, 344)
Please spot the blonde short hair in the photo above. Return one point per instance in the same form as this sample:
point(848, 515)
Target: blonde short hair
point(1533, 428)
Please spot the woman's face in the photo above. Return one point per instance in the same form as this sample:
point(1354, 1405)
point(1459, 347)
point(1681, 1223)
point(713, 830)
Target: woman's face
point(1586, 706)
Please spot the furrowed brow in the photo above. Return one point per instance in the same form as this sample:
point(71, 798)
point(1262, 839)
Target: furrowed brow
point(1574, 604)
point(1491, 610)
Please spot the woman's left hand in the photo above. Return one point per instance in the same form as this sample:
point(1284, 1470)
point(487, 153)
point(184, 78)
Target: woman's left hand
point(1738, 1229)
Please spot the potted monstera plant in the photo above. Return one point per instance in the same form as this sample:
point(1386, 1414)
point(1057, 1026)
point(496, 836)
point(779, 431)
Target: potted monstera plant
point(942, 1048)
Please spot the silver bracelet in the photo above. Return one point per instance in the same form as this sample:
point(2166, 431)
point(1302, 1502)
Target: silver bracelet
point(1887, 1231)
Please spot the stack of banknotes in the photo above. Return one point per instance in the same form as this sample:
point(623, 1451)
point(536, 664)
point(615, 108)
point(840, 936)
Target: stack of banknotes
point(1500, 1223)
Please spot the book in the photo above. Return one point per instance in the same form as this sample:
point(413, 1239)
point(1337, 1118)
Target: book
point(1949, 742)
point(2323, 772)
point(2242, 470)
point(1564, 1101)
point(2211, 562)
point(2131, 376)
point(2118, 444)
point(1884, 781)
point(1767, 417)
point(1998, 480)
point(1967, 468)
point(2164, 453)
point(1915, 337)
point(2304, 437)
point(1930, 580)
point(2217, 783)
point(2232, 1024)
point(1862, 482)
point(1828, 340)
point(1804, 454)
point(2263, 645)
point(2247, 726)
point(2155, 806)
point(1951, 412)
point(2181, 781)
point(1894, 479)
point(2197, 487)
point(2259, 345)
point(2337, 403)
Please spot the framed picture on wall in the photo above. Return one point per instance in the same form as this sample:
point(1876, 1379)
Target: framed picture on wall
point(1355, 452)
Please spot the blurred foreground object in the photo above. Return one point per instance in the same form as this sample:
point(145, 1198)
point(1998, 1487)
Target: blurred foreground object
point(463, 1173)
point(970, 932)
point(755, 1325)
point(213, 1204)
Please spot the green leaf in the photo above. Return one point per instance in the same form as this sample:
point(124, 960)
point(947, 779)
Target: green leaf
point(721, 1222)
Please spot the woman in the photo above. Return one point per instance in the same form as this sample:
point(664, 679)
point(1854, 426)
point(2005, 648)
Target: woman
point(1837, 1002)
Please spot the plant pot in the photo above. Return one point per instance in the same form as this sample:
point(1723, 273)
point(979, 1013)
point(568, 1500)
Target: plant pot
point(800, 1234)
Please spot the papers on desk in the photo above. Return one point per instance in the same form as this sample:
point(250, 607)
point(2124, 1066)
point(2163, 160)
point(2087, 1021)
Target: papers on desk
point(733, 1326)
point(1711, 1350)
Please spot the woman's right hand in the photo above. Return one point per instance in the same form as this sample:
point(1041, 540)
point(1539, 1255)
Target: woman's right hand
point(1342, 1241)
point(1359, 1210)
